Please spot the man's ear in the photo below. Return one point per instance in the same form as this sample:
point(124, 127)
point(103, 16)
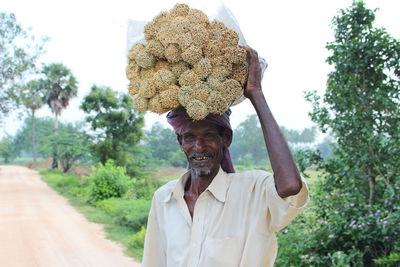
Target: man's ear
point(227, 137)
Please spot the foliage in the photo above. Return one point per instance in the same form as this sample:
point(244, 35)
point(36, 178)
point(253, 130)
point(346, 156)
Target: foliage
point(32, 97)
point(392, 260)
point(19, 52)
point(22, 141)
point(137, 240)
point(163, 145)
point(118, 128)
point(361, 103)
point(127, 212)
point(60, 86)
point(67, 184)
point(71, 144)
point(305, 158)
point(248, 141)
point(108, 181)
point(6, 151)
point(354, 214)
point(307, 135)
point(248, 145)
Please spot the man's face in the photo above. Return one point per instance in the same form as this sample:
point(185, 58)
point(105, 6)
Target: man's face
point(203, 146)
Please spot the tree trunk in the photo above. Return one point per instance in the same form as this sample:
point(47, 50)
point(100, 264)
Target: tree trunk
point(33, 136)
point(54, 164)
point(372, 185)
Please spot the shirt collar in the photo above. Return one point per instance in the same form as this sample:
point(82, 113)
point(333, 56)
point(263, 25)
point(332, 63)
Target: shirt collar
point(217, 188)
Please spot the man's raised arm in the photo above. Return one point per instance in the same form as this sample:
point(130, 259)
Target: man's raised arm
point(287, 177)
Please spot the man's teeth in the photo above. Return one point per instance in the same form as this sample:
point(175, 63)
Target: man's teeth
point(201, 158)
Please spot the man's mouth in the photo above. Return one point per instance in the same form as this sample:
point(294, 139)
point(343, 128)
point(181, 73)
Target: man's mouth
point(201, 156)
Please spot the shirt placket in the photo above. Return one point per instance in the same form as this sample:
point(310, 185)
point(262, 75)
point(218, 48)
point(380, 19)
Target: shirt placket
point(196, 238)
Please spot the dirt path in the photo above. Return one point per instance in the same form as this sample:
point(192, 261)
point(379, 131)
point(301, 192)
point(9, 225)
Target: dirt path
point(38, 228)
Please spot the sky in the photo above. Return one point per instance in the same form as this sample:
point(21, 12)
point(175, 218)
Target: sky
point(90, 38)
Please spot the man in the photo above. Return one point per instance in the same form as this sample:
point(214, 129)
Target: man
point(212, 216)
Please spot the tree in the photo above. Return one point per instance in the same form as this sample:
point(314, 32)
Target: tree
point(72, 144)
point(307, 135)
point(32, 98)
point(117, 126)
point(361, 103)
point(164, 146)
point(248, 141)
point(6, 151)
point(358, 198)
point(60, 87)
point(22, 141)
point(19, 52)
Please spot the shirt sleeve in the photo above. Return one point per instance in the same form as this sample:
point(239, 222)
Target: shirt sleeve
point(154, 247)
point(284, 210)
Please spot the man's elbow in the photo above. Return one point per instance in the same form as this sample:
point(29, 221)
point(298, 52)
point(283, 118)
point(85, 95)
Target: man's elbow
point(290, 189)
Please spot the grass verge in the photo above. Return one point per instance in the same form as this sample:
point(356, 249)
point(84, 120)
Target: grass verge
point(76, 190)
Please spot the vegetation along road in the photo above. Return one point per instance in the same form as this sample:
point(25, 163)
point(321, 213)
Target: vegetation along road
point(38, 227)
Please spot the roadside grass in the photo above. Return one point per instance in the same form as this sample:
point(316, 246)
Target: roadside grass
point(76, 189)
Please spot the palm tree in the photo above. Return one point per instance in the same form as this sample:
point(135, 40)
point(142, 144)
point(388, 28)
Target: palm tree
point(61, 86)
point(33, 99)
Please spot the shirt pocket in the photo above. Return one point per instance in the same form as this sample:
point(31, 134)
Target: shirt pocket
point(219, 252)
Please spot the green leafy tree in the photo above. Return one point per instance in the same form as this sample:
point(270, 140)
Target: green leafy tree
point(22, 141)
point(248, 141)
point(248, 145)
point(164, 146)
point(117, 126)
point(72, 144)
point(60, 87)
point(6, 151)
point(19, 52)
point(306, 135)
point(361, 103)
point(356, 208)
point(33, 99)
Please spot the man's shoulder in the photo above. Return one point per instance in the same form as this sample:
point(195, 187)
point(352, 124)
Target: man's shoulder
point(165, 191)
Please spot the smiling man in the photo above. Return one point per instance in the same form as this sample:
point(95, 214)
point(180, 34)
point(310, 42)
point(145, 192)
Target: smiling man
point(213, 216)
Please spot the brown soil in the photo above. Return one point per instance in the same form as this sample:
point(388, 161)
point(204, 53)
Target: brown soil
point(38, 228)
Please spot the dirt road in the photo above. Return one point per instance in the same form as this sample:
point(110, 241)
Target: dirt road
point(38, 227)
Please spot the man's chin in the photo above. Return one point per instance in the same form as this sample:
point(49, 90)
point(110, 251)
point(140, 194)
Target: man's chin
point(202, 171)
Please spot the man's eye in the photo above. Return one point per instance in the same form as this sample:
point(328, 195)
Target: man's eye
point(188, 138)
point(211, 136)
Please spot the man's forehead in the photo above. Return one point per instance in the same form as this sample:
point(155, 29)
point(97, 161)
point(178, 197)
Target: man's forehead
point(195, 125)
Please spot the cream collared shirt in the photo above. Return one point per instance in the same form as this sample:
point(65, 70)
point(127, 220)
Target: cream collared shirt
point(234, 222)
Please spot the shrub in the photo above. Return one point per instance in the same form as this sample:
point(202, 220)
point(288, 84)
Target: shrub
point(137, 240)
point(108, 181)
point(132, 213)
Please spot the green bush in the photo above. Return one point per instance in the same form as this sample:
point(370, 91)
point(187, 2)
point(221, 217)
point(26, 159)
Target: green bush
point(392, 259)
point(108, 181)
point(340, 229)
point(132, 213)
point(137, 240)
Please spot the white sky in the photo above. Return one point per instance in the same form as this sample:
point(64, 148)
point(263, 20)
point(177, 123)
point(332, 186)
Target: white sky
point(89, 37)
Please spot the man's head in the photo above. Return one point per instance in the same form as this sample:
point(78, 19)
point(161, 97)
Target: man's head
point(204, 142)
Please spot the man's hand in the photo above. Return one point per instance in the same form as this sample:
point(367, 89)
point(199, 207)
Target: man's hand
point(253, 83)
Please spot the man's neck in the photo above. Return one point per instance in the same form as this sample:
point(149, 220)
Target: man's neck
point(198, 184)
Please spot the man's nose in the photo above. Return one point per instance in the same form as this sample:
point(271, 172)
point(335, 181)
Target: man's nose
point(199, 145)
